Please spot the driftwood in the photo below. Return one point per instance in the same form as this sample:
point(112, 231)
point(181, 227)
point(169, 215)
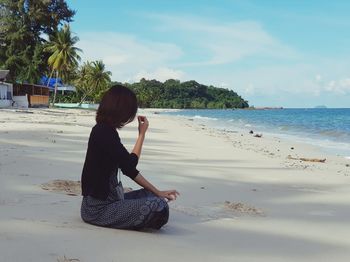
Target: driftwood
point(307, 159)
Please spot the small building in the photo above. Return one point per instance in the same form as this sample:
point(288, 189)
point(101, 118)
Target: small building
point(22, 95)
point(37, 95)
point(6, 90)
point(52, 82)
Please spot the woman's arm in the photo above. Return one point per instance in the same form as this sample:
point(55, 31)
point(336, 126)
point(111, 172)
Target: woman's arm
point(143, 126)
point(168, 194)
point(139, 179)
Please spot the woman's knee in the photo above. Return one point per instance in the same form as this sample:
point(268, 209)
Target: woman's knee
point(161, 215)
point(159, 206)
point(164, 209)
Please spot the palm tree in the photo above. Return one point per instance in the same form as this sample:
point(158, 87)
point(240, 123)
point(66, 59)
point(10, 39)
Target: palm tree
point(82, 81)
point(93, 79)
point(99, 77)
point(64, 55)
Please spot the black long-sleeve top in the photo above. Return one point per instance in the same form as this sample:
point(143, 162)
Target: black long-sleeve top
point(105, 154)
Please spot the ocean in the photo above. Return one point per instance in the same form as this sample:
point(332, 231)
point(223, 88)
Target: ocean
point(327, 128)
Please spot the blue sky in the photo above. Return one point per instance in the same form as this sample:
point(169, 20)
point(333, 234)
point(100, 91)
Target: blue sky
point(273, 53)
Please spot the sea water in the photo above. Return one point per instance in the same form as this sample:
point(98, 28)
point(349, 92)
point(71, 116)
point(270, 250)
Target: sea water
point(327, 128)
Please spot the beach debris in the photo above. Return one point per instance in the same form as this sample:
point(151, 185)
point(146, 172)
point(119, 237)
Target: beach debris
point(24, 111)
point(226, 209)
point(65, 259)
point(229, 131)
point(251, 132)
point(258, 135)
point(347, 165)
point(292, 148)
point(323, 160)
point(68, 187)
point(202, 187)
point(242, 208)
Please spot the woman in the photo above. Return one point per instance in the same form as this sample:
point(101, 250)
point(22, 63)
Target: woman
point(104, 202)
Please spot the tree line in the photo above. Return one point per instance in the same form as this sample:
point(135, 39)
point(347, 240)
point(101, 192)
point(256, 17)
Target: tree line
point(190, 94)
point(36, 40)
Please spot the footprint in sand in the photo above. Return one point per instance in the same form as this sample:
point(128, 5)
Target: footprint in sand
point(65, 259)
point(242, 209)
point(12, 201)
point(226, 209)
point(68, 187)
point(186, 210)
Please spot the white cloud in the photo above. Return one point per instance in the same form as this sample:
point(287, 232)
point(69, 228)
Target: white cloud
point(225, 43)
point(131, 58)
point(341, 86)
point(161, 74)
point(212, 52)
point(318, 78)
point(127, 56)
point(287, 85)
point(249, 90)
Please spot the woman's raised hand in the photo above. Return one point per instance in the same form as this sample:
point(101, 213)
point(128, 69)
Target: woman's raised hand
point(143, 124)
point(168, 194)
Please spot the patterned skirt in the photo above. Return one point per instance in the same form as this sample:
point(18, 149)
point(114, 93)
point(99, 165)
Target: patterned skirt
point(138, 210)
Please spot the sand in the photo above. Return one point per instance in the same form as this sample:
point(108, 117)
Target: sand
point(243, 198)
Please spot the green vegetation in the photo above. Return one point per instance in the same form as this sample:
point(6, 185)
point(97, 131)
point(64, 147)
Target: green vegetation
point(64, 56)
point(36, 40)
point(24, 27)
point(190, 94)
point(92, 81)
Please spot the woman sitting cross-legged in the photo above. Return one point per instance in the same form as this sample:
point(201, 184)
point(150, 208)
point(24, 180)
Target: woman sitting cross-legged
point(104, 201)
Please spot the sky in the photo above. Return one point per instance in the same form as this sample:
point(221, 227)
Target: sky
point(290, 53)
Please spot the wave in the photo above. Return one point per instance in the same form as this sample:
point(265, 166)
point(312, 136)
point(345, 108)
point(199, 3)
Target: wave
point(204, 118)
point(284, 128)
point(333, 133)
point(320, 126)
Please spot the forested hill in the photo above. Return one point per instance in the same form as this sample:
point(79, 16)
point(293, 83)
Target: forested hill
point(175, 94)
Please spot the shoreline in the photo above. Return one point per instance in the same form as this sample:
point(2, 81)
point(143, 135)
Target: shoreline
point(332, 147)
point(274, 146)
point(241, 199)
point(327, 146)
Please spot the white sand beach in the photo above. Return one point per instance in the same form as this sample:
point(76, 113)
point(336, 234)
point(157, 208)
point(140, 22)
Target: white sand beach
point(242, 198)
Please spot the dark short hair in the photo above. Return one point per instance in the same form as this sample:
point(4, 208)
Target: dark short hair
point(118, 107)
